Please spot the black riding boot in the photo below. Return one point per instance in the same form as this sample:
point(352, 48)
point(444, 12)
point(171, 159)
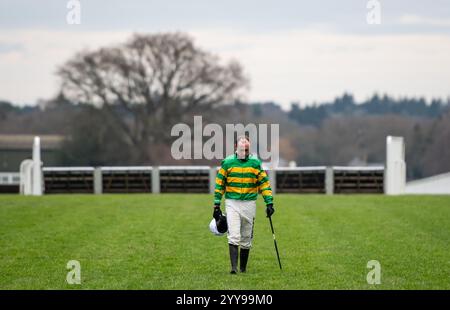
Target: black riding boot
point(234, 251)
point(244, 259)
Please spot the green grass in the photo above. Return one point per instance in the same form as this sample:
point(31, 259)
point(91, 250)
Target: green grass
point(163, 242)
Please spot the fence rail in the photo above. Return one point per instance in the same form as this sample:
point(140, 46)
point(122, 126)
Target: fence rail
point(9, 182)
point(301, 180)
point(199, 179)
point(358, 181)
point(74, 180)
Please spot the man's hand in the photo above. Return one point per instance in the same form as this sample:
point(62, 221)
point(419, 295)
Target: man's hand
point(270, 210)
point(217, 212)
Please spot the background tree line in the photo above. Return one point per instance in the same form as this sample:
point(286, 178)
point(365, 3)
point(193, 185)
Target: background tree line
point(338, 139)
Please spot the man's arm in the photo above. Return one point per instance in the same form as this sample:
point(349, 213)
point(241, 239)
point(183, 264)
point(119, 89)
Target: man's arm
point(266, 191)
point(264, 186)
point(220, 184)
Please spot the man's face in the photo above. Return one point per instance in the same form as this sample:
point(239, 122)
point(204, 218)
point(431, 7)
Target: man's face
point(243, 149)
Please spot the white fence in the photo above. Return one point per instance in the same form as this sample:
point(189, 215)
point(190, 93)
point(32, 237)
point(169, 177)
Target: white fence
point(201, 179)
point(9, 178)
point(9, 182)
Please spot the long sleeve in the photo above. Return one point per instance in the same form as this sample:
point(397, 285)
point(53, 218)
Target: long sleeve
point(264, 186)
point(220, 184)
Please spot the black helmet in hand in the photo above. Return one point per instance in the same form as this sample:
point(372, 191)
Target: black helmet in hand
point(219, 226)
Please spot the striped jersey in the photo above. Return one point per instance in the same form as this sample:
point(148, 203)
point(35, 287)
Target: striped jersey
point(242, 180)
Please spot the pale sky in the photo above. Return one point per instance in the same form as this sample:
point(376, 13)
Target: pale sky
point(306, 51)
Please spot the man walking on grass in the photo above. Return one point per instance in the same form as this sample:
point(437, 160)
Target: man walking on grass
point(241, 177)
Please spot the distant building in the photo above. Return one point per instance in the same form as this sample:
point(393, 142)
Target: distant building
point(437, 184)
point(362, 162)
point(15, 148)
point(357, 162)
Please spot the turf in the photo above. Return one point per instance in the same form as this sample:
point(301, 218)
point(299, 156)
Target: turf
point(163, 242)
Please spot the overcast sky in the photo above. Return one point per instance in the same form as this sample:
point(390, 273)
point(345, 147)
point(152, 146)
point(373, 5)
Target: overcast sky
point(305, 51)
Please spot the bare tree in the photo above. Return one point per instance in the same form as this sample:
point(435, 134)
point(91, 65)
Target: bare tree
point(149, 83)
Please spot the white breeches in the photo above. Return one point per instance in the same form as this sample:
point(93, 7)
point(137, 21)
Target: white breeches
point(240, 219)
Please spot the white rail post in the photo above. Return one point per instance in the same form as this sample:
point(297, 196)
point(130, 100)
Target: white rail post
point(329, 181)
point(212, 179)
point(98, 181)
point(156, 187)
point(273, 179)
point(395, 172)
point(26, 168)
point(37, 171)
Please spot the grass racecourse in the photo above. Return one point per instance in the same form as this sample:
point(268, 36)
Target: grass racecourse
point(163, 242)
